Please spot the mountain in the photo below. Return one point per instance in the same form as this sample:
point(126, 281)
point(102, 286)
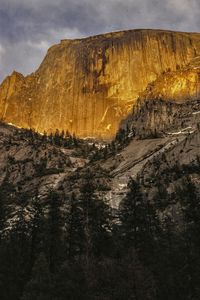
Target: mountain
point(92, 218)
point(87, 86)
point(74, 210)
point(162, 116)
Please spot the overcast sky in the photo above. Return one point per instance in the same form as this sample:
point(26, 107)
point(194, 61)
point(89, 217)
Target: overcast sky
point(29, 27)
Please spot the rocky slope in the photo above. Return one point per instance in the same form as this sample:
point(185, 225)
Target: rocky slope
point(88, 86)
point(30, 164)
point(153, 162)
point(33, 165)
point(163, 120)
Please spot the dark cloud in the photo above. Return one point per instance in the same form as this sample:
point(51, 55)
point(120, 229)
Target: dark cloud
point(29, 27)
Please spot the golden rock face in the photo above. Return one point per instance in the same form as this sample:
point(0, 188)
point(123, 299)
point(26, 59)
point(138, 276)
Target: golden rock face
point(179, 86)
point(88, 86)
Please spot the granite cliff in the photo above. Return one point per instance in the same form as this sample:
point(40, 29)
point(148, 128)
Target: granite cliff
point(89, 85)
point(178, 86)
point(171, 102)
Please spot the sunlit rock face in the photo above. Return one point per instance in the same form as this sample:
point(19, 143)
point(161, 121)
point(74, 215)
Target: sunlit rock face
point(179, 86)
point(170, 103)
point(88, 86)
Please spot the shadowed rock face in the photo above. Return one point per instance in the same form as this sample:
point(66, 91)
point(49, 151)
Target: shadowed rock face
point(88, 86)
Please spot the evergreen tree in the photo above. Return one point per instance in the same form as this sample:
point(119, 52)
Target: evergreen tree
point(74, 228)
point(88, 221)
point(55, 222)
point(2, 212)
point(15, 256)
point(191, 210)
point(57, 138)
point(38, 226)
point(120, 279)
point(139, 224)
point(162, 198)
point(40, 285)
point(96, 217)
point(168, 263)
point(70, 282)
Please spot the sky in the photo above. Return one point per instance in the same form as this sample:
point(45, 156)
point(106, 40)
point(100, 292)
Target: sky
point(29, 27)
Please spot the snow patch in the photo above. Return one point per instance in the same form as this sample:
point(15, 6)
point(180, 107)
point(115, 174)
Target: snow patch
point(196, 112)
point(122, 186)
point(183, 131)
point(11, 124)
point(108, 127)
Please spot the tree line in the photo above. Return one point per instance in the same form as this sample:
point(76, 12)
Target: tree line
point(76, 247)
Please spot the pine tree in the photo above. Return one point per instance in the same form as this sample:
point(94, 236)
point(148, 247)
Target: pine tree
point(15, 257)
point(191, 211)
point(139, 224)
point(70, 282)
point(96, 217)
point(57, 139)
point(88, 221)
point(55, 222)
point(120, 278)
point(40, 285)
point(2, 212)
point(74, 228)
point(168, 264)
point(161, 199)
point(38, 227)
